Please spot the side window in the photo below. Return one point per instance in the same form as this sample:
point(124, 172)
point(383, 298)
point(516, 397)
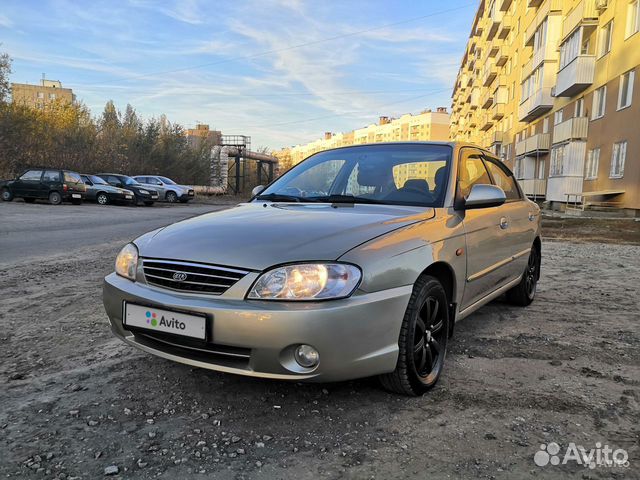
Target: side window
point(504, 180)
point(154, 181)
point(31, 175)
point(140, 179)
point(51, 176)
point(86, 181)
point(472, 172)
point(113, 180)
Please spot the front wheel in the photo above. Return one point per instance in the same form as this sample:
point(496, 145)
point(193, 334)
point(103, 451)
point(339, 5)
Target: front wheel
point(102, 199)
point(524, 293)
point(55, 198)
point(423, 340)
point(7, 196)
point(172, 197)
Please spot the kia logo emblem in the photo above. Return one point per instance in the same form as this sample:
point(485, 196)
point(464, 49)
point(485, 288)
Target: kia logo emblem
point(179, 276)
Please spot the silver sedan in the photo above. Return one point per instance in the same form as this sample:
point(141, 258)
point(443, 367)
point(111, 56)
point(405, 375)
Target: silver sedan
point(356, 262)
point(167, 189)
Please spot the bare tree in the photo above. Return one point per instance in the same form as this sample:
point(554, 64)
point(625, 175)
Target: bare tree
point(5, 71)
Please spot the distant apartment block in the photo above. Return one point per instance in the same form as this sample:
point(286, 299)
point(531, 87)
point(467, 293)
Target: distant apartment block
point(549, 85)
point(427, 125)
point(38, 96)
point(195, 136)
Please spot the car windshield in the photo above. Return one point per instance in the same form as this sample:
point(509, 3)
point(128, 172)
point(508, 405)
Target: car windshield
point(402, 174)
point(168, 181)
point(97, 180)
point(128, 181)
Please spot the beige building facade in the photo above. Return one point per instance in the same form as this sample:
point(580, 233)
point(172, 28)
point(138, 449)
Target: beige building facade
point(39, 96)
point(195, 136)
point(428, 125)
point(550, 86)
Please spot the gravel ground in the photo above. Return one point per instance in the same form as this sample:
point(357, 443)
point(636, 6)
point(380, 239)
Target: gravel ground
point(77, 403)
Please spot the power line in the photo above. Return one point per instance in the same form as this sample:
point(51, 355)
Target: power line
point(292, 47)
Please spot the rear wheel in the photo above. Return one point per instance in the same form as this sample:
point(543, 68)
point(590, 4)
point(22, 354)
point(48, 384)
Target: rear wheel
point(7, 196)
point(55, 198)
point(29, 200)
point(172, 197)
point(102, 199)
point(524, 293)
point(423, 340)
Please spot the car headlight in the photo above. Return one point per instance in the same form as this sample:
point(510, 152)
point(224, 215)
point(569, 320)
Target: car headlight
point(308, 281)
point(144, 192)
point(127, 261)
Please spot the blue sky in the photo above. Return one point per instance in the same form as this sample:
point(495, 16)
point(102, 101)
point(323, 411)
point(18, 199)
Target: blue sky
point(282, 71)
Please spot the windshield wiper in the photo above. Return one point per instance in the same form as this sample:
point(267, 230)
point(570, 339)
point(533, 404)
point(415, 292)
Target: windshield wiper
point(344, 199)
point(278, 197)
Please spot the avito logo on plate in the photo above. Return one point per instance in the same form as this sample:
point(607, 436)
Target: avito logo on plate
point(152, 319)
point(601, 456)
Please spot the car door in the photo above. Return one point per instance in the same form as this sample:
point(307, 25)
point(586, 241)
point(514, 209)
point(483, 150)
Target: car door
point(90, 192)
point(28, 185)
point(157, 185)
point(519, 214)
point(488, 247)
point(51, 180)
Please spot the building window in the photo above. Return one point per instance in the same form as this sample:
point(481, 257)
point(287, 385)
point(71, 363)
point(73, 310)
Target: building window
point(593, 159)
point(557, 160)
point(41, 95)
point(518, 171)
point(557, 117)
point(541, 164)
point(545, 125)
point(617, 160)
point(52, 96)
point(580, 107)
point(570, 49)
point(605, 39)
point(626, 89)
point(633, 16)
point(599, 103)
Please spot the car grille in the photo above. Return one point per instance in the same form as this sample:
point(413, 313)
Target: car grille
point(190, 277)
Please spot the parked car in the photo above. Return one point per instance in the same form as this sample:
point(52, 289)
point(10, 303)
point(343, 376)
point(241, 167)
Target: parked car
point(51, 184)
point(98, 190)
point(143, 195)
point(167, 188)
point(365, 276)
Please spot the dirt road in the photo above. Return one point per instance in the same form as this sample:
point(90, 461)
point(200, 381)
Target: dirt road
point(76, 403)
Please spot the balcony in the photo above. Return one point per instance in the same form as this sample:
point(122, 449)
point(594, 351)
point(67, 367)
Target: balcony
point(576, 76)
point(534, 187)
point(504, 4)
point(545, 54)
point(548, 7)
point(497, 111)
point(585, 13)
point(474, 98)
point(502, 57)
point(487, 101)
point(534, 3)
point(495, 20)
point(500, 137)
point(505, 27)
point(535, 144)
point(494, 48)
point(501, 93)
point(572, 129)
point(486, 123)
point(489, 74)
point(537, 104)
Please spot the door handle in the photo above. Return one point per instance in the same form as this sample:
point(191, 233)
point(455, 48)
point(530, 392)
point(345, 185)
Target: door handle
point(504, 224)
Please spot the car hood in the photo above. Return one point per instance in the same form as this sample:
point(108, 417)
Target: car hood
point(112, 189)
point(256, 236)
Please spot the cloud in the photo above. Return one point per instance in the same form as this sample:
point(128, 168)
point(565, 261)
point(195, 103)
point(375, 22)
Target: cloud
point(5, 22)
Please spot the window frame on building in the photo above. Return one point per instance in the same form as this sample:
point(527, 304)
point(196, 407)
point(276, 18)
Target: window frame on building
point(592, 164)
point(599, 97)
point(604, 45)
point(558, 117)
point(624, 101)
point(633, 19)
point(579, 108)
point(618, 159)
point(556, 167)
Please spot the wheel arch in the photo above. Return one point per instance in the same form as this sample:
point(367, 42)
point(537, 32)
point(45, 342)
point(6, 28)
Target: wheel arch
point(445, 274)
point(170, 191)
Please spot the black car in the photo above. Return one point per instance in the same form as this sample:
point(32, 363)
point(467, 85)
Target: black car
point(51, 184)
point(144, 195)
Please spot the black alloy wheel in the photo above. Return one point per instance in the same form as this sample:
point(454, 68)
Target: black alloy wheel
point(525, 292)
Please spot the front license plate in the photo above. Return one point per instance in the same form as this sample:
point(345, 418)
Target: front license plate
point(154, 196)
point(128, 197)
point(76, 195)
point(156, 319)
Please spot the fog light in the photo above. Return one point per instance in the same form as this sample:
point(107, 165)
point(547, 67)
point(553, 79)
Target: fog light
point(307, 356)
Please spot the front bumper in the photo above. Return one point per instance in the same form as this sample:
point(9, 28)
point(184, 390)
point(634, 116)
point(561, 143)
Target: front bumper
point(355, 337)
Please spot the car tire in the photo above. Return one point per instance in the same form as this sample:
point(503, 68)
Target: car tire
point(102, 198)
point(148, 204)
point(524, 293)
point(55, 198)
point(172, 197)
point(7, 196)
point(29, 200)
point(423, 340)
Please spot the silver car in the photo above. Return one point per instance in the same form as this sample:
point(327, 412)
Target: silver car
point(356, 262)
point(167, 189)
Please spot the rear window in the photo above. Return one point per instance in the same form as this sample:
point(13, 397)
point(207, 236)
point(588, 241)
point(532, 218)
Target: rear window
point(51, 176)
point(72, 177)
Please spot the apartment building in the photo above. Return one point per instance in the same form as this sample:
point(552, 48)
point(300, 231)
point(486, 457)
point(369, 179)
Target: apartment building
point(38, 96)
point(195, 136)
point(550, 86)
point(427, 125)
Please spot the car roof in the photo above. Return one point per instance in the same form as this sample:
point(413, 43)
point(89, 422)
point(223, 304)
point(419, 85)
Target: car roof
point(453, 145)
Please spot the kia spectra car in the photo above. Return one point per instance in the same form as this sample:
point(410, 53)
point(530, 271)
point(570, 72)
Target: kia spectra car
point(356, 262)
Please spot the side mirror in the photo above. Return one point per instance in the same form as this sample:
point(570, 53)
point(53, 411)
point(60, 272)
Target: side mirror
point(484, 196)
point(257, 190)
